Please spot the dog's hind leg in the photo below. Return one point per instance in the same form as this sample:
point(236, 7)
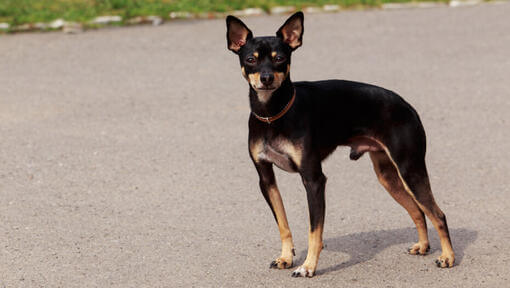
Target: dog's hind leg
point(408, 156)
point(272, 195)
point(417, 181)
point(388, 177)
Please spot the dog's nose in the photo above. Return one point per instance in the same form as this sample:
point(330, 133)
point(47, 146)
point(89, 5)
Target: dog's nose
point(267, 78)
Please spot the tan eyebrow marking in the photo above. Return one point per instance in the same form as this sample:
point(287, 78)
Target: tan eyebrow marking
point(256, 54)
point(273, 54)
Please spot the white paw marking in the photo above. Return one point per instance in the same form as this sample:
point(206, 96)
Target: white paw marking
point(302, 272)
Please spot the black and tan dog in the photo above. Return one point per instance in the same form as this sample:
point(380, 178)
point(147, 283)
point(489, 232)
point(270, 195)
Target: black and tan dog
point(296, 125)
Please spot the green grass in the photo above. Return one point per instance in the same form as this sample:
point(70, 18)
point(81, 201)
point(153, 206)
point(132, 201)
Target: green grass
point(16, 12)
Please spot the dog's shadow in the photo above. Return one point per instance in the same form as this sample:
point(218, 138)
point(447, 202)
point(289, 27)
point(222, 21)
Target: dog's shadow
point(363, 246)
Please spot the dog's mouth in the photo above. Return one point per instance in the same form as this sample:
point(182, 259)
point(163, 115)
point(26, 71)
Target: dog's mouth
point(266, 88)
point(264, 92)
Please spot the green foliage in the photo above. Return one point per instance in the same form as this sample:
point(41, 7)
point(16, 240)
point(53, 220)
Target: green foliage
point(18, 12)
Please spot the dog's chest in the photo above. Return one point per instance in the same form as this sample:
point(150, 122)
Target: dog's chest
point(283, 153)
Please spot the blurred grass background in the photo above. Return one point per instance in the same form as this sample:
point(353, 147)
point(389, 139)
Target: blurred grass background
point(16, 12)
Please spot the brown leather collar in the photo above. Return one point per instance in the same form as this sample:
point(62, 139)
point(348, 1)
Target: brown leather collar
point(271, 119)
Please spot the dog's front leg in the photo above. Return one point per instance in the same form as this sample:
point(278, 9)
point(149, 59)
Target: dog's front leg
point(274, 199)
point(315, 183)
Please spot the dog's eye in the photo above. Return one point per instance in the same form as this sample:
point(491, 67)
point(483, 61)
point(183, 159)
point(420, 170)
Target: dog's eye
point(250, 60)
point(279, 59)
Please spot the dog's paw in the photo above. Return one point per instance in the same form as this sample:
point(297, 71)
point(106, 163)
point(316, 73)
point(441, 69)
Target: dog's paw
point(281, 263)
point(445, 261)
point(303, 271)
point(419, 249)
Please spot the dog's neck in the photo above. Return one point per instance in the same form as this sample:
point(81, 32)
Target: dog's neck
point(276, 102)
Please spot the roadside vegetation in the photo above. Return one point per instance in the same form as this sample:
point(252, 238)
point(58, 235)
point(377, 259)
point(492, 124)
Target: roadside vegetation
point(17, 12)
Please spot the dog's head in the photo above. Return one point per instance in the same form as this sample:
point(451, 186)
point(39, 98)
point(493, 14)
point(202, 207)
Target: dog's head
point(265, 61)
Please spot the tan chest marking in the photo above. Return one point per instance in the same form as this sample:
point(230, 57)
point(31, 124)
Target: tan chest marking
point(281, 152)
point(256, 148)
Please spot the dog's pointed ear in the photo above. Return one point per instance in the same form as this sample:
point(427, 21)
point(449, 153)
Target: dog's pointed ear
point(237, 34)
point(292, 30)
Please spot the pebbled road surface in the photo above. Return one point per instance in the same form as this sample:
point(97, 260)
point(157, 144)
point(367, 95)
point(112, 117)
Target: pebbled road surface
point(124, 163)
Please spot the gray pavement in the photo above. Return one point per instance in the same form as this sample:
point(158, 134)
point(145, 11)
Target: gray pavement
point(124, 163)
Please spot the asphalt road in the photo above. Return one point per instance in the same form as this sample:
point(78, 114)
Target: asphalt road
point(124, 163)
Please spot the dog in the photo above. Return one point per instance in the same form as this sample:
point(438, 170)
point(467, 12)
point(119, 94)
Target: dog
point(296, 125)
